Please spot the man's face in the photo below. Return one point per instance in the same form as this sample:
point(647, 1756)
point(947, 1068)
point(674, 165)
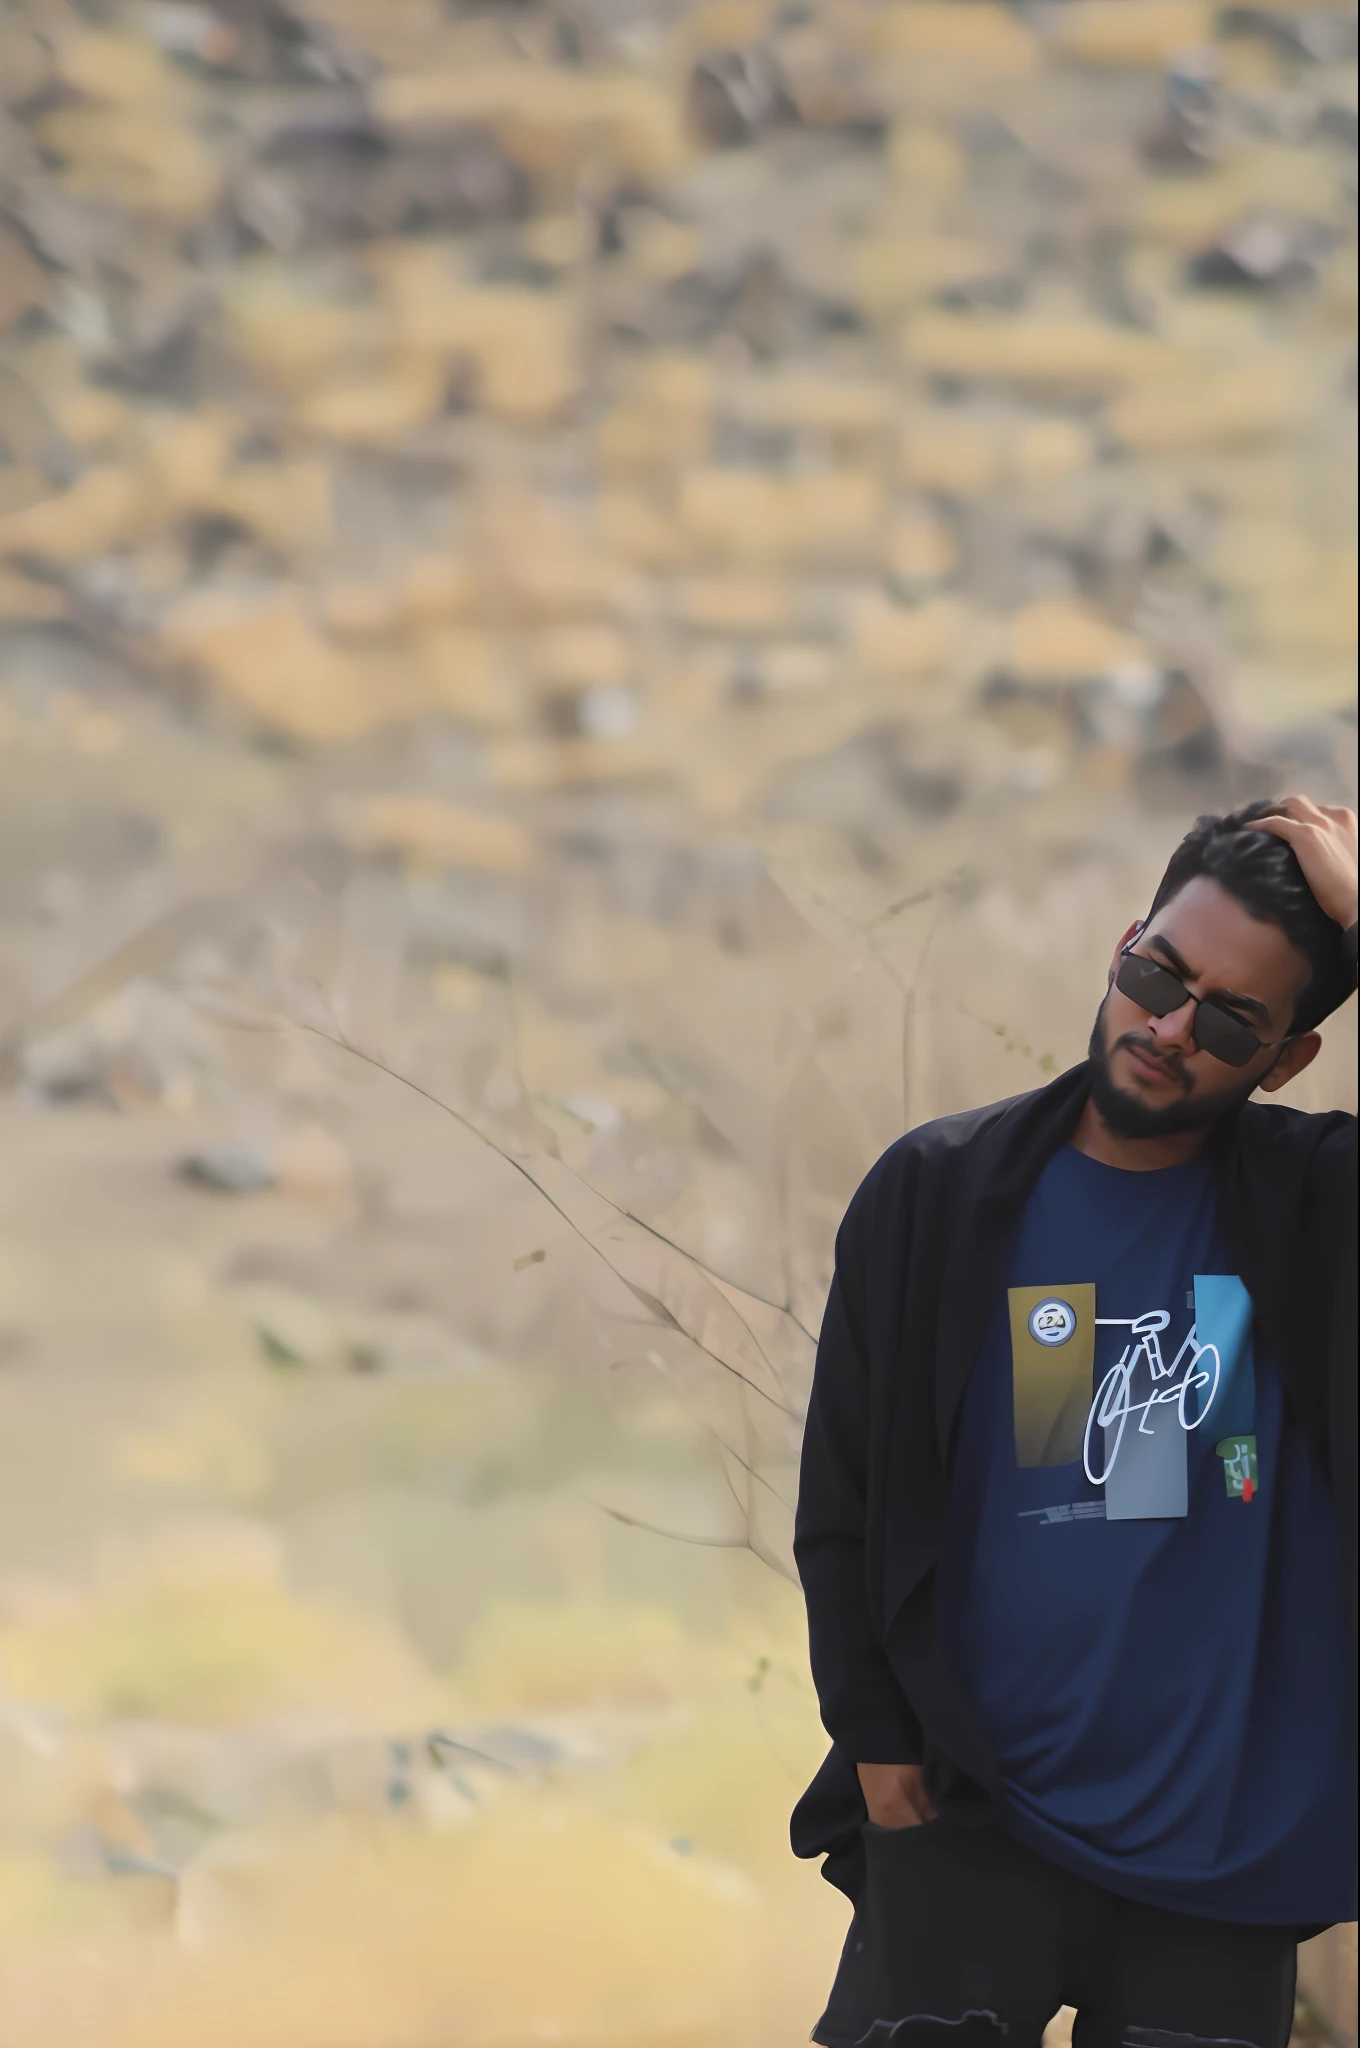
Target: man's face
point(1149, 1078)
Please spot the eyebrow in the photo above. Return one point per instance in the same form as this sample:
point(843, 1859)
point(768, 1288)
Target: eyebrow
point(1218, 995)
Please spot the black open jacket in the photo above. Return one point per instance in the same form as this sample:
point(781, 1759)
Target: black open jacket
point(920, 1257)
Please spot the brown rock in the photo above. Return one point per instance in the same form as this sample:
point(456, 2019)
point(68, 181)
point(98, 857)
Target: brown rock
point(21, 485)
point(267, 658)
point(636, 529)
point(105, 509)
point(1188, 213)
point(835, 515)
point(920, 548)
point(25, 63)
point(957, 454)
point(376, 410)
point(430, 832)
point(23, 281)
point(549, 122)
point(1043, 449)
point(24, 601)
point(118, 70)
point(899, 644)
point(733, 95)
point(567, 659)
point(736, 604)
point(1214, 407)
point(525, 764)
point(1056, 353)
point(464, 677)
point(521, 346)
point(749, 516)
point(133, 157)
point(891, 273)
point(1057, 642)
point(983, 36)
point(434, 587)
point(1131, 34)
point(93, 421)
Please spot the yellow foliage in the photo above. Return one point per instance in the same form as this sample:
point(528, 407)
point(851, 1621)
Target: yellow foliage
point(188, 1637)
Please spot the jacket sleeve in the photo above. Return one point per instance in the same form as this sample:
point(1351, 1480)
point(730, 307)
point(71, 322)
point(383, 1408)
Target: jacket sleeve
point(864, 1709)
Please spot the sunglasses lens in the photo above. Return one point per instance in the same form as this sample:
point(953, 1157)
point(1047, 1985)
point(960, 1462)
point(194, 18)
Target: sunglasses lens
point(1149, 985)
point(1156, 990)
point(1223, 1036)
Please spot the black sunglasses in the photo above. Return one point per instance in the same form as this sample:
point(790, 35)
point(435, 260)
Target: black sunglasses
point(1158, 991)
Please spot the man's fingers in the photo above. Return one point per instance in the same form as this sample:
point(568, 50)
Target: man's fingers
point(1282, 827)
point(1297, 831)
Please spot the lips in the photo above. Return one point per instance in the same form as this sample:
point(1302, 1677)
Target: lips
point(1150, 1068)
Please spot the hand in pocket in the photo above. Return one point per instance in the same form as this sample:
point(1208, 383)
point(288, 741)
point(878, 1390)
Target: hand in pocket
point(895, 1794)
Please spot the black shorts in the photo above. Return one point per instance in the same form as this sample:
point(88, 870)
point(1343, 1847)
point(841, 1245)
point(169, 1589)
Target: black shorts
point(962, 1939)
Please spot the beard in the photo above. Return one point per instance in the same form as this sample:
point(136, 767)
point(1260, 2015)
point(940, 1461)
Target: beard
point(1125, 1115)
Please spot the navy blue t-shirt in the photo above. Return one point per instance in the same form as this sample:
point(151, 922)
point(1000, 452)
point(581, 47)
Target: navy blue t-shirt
point(1140, 1585)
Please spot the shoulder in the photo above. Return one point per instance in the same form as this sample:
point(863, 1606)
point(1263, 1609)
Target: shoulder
point(1273, 1137)
point(954, 1160)
point(929, 1153)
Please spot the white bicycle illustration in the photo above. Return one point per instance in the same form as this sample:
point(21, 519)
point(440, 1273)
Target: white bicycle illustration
point(1113, 1403)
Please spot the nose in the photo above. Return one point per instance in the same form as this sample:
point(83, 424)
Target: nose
point(1174, 1032)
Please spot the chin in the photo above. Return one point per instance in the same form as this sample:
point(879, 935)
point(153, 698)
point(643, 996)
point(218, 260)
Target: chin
point(1133, 1080)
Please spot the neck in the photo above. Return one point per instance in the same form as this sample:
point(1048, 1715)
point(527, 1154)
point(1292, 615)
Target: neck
point(1094, 1137)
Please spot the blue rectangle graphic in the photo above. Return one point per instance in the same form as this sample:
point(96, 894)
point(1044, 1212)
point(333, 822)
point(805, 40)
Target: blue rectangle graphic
point(1223, 1316)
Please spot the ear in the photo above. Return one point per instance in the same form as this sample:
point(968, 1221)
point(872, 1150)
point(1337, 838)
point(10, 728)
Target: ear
point(1300, 1053)
point(1130, 935)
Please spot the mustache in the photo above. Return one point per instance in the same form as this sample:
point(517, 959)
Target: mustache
point(1174, 1068)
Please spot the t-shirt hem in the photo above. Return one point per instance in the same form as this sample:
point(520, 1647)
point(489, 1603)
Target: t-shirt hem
point(1200, 1899)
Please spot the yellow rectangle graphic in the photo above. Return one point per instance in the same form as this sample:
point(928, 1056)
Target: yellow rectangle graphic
point(1051, 1382)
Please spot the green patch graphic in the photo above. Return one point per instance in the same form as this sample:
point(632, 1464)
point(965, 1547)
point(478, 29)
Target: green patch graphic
point(1239, 1466)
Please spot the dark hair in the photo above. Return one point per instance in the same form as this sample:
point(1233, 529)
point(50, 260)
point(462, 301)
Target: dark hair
point(1263, 874)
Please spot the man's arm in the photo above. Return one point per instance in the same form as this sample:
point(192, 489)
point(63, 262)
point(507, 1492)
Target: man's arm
point(863, 1707)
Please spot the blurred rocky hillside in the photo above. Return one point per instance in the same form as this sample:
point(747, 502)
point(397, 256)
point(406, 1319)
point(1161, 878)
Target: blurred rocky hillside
point(674, 394)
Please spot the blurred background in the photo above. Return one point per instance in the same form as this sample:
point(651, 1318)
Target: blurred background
point(603, 604)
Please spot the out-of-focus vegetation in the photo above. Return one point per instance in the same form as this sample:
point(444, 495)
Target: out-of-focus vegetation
point(602, 605)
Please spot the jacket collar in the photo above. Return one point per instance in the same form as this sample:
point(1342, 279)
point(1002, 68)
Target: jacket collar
point(1004, 1163)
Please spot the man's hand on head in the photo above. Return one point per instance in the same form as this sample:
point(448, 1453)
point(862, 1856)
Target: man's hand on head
point(895, 1794)
point(1324, 838)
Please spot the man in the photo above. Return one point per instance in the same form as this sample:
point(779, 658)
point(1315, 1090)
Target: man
point(1076, 1522)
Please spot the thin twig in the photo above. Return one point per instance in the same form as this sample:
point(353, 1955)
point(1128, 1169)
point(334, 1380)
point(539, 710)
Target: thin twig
point(343, 1044)
point(674, 1535)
